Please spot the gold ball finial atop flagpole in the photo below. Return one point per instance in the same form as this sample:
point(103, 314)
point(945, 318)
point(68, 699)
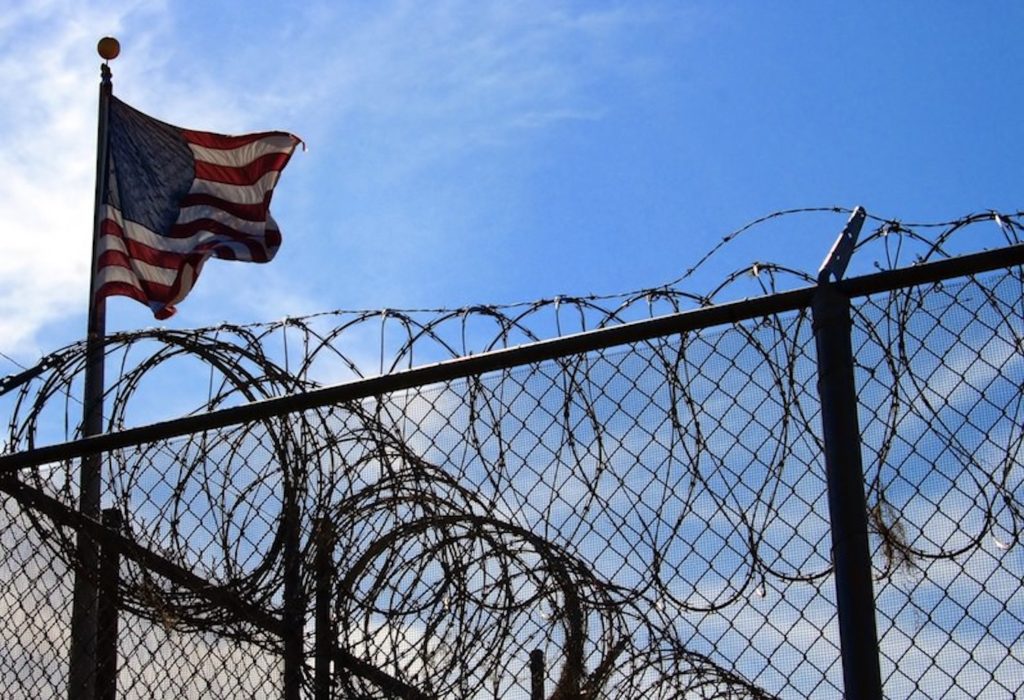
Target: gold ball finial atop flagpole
point(108, 48)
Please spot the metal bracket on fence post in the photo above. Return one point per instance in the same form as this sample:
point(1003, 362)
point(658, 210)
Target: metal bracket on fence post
point(845, 473)
point(324, 634)
point(107, 612)
point(842, 250)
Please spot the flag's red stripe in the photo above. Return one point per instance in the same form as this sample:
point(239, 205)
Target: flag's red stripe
point(219, 247)
point(157, 291)
point(243, 175)
point(249, 212)
point(151, 291)
point(155, 295)
point(208, 140)
point(137, 250)
point(122, 289)
point(257, 251)
point(161, 309)
point(273, 238)
point(115, 258)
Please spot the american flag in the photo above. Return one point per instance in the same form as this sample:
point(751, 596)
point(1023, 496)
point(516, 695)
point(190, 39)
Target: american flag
point(175, 198)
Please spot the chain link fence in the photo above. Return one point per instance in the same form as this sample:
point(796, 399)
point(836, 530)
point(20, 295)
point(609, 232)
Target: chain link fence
point(640, 511)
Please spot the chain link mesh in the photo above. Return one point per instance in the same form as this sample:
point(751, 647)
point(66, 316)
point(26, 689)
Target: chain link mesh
point(942, 397)
point(652, 518)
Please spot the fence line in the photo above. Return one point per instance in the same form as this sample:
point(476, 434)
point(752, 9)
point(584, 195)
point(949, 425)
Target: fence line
point(641, 510)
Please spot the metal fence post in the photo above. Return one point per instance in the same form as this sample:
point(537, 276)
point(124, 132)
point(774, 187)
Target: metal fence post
point(851, 556)
point(537, 674)
point(846, 502)
point(324, 630)
point(107, 612)
point(293, 612)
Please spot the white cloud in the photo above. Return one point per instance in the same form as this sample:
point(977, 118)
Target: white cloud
point(455, 76)
point(48, 160)
point(394, 92)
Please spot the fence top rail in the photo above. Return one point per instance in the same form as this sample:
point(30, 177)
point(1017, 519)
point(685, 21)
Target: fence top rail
point(506, 358)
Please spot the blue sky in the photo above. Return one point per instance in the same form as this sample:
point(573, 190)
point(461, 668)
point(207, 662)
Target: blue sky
point(469, 152)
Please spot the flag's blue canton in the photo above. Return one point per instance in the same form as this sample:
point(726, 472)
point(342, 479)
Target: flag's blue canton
point(154, 167)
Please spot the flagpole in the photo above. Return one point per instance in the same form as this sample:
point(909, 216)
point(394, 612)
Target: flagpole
point(83, 661)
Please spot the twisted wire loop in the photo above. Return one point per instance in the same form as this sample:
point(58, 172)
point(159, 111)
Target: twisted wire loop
point(652, 517)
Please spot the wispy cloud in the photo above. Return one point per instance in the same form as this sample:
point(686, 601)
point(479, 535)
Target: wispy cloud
point(430, 122)
point(455, 76)
point(400, 94)
point(48, 160)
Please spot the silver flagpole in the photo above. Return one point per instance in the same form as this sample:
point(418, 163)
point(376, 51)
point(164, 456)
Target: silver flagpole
point(82, 669)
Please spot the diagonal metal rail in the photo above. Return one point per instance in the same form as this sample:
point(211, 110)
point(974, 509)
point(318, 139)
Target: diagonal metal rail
point(41, 502)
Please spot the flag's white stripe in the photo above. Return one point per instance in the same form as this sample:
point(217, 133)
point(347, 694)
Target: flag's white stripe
point(138, 232)
point(188, 280)
point(243, 155)
point(250, 228)
point(114, 243)
point(116, 273)
point(239, 194)
point(138, 271)
point(113, 274)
